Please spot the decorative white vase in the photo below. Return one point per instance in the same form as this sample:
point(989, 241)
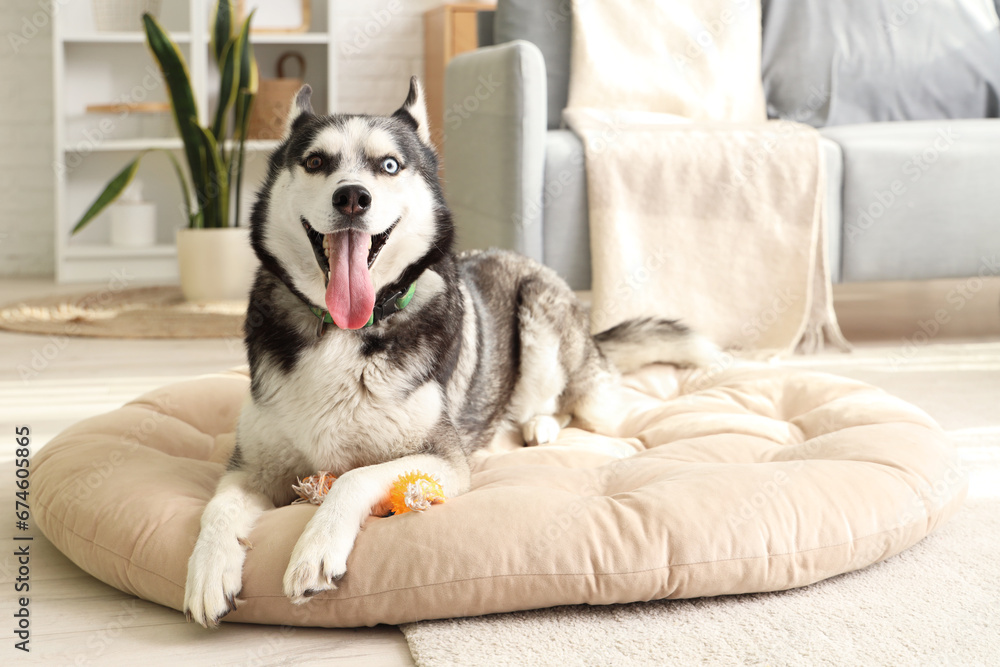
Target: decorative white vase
point(133, 221)
point(216, 264)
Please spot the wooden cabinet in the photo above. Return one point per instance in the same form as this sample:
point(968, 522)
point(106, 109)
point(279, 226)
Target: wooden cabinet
point(448, 31)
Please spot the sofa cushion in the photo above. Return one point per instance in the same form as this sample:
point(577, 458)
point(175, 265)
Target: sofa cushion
point(739, 480)
point(566, 240)
point(921, 200)
point(546, 24)
point(859, 61)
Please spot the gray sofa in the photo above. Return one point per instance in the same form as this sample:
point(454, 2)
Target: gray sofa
point(907, 200)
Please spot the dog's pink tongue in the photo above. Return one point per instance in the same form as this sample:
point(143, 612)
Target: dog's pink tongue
point(350, 297)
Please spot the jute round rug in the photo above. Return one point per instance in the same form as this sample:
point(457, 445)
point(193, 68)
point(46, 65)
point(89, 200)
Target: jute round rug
point(141, 312)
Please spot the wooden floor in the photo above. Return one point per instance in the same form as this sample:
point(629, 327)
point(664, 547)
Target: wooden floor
point(49, 383)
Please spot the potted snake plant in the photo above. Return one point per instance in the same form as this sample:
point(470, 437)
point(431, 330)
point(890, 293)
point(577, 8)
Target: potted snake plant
point(214, 255)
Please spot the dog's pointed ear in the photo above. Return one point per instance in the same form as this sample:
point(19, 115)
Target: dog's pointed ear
point(301, 106)
point(414, 111)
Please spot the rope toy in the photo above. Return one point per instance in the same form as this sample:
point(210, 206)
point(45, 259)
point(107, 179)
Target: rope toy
point(414, 491)
point(313, 488)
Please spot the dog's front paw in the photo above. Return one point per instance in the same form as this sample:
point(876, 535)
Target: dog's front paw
point(318, 562)
point(214, 580)
point(543, 429)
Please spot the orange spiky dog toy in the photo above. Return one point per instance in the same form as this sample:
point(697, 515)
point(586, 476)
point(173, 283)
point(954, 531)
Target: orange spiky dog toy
point(415, 491)
point(412, 491)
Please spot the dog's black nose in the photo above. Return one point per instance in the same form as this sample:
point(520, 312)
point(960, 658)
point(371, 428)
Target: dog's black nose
point(352, 200)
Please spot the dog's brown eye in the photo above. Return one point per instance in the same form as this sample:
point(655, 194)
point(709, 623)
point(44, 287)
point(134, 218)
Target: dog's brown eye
point(314, 162)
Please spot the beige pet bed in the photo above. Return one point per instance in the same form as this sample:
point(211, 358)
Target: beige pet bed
point(758, 479)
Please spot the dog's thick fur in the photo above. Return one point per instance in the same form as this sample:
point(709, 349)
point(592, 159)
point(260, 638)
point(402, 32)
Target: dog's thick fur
point(491, 342)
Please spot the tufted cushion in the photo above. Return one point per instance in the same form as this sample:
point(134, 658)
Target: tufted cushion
point(749, 479)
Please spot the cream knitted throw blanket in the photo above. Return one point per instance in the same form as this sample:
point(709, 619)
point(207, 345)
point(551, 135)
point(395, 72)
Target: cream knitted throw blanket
point(699, 208)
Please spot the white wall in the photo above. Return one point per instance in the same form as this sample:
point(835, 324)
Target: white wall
point(26, 176)
point(379, 46)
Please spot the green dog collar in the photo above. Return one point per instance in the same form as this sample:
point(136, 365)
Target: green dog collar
point(392, 304)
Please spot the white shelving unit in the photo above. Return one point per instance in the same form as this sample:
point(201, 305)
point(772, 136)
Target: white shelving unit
point(93, 67)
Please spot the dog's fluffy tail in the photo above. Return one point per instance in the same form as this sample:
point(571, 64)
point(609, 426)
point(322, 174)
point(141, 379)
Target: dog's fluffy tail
point(635, 343)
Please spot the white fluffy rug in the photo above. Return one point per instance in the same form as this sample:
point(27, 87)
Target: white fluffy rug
point(937, 603)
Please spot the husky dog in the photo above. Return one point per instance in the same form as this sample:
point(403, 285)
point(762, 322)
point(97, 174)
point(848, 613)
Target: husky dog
point(374, 350)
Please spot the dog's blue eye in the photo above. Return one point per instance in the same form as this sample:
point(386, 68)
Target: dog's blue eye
point(390, 166)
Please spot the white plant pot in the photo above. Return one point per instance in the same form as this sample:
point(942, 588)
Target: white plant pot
point(216, 264)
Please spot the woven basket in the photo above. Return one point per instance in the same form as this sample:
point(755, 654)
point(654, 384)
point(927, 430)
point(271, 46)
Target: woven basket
point(274, 99)
point(122, 15)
